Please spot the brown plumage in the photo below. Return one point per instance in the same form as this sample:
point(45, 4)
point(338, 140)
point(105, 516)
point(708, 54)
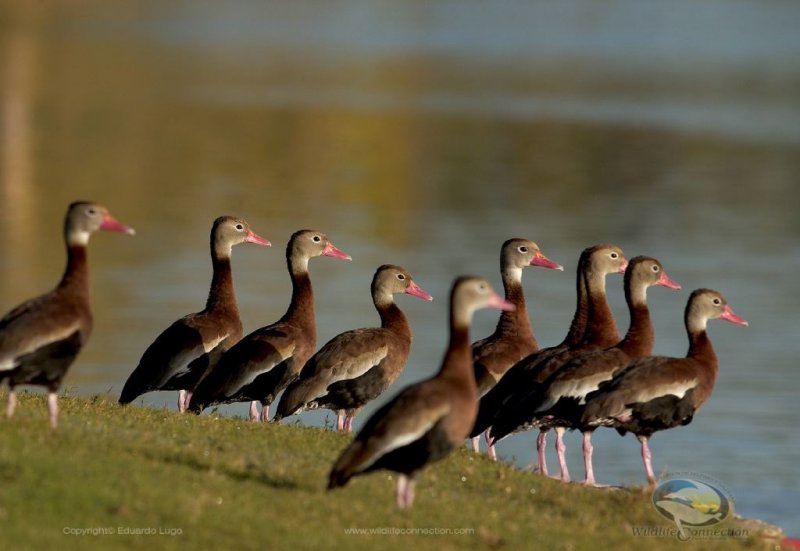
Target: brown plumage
point(356, 366)
point(592, 327)
point(513, 338)
point(40, 338)
point(558, 401)
point(182, 354)
point(658, 392)
point(263, 363)
point(426, 420)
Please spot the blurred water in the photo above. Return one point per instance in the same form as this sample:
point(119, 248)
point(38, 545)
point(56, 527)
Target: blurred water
point(425, 134)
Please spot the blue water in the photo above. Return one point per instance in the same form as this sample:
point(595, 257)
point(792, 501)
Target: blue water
point(426, 134)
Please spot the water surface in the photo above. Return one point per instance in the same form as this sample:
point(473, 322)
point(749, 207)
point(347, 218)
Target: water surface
point(426, 135)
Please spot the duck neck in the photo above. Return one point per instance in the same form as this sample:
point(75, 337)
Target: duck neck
point(700, 347)
point(221, 295)
point(392, 318)
point(516, 322)
point(457, 364)
point(578, 326)
point(301, 307)
point(638, 341)
point(76, 274)
point(601, 329)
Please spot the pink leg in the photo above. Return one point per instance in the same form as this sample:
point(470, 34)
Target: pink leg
point(340, 422)
point(181, 401)
point(587, 462)
point(265, 413)
point(187, 400)
point(348, 423)
point(254, 411)
point(52, 408)
point(476, 444)
point(541, 447)
point(410, 492)
point(647, 460)
point(402, 483)
point(561, 451)
point(12, 403)
point(490, 449)
point(405, 491)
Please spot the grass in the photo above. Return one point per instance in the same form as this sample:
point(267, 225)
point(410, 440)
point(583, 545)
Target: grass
point(223, 482)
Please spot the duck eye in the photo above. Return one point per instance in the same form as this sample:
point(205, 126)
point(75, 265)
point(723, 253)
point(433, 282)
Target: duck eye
point(239, 227)
point(523, 249)
point(401, 277)
point(717, 301)
point(614, 255)
point(316, 239)
point(91, 211)
point(655, 268)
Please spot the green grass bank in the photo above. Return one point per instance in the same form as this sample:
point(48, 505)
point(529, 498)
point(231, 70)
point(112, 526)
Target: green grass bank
point(130, 478)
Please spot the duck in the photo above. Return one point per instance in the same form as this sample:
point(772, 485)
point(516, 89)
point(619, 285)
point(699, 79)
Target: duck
point(660, 392)
point(267, 360)
point(425, 421)
point(357, 366)
point(182, 354)
point(513, 338)
point(560, 398)
point(40, 338)
point(593, 327)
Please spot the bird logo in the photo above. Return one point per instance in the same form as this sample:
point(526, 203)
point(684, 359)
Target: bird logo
point(690, 503)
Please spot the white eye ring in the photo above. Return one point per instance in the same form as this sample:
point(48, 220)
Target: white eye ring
point(655, 268)
point(614, 255)
point(401, 277)
point(239, 227)
point(523, 249)
point(316, 239)
point(717, 301)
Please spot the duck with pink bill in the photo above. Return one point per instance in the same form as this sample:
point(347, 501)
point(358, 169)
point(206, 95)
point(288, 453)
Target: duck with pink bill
point(182, 354)
point(424, 422)
point(267, 360)
point(558, 402)
point(659, 392)
point(40, 338)
point(513, 338)
point(593, 327)
point(357, 366)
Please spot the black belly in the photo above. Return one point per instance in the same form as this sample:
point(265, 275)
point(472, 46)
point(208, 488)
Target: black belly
point(658, 414)
point(431, 447)
point(189, 378)
point(46, 366)
point(266, 386)
point(355, 393)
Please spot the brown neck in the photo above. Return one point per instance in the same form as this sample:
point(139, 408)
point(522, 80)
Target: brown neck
point(578, 326)
point(221, 295)
point(457, 364)
point(393, 319)
point(638, 341)
point(76, 274)
point(700, 349)
point(301, 307)
point(601, 329)
point(516, 322)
